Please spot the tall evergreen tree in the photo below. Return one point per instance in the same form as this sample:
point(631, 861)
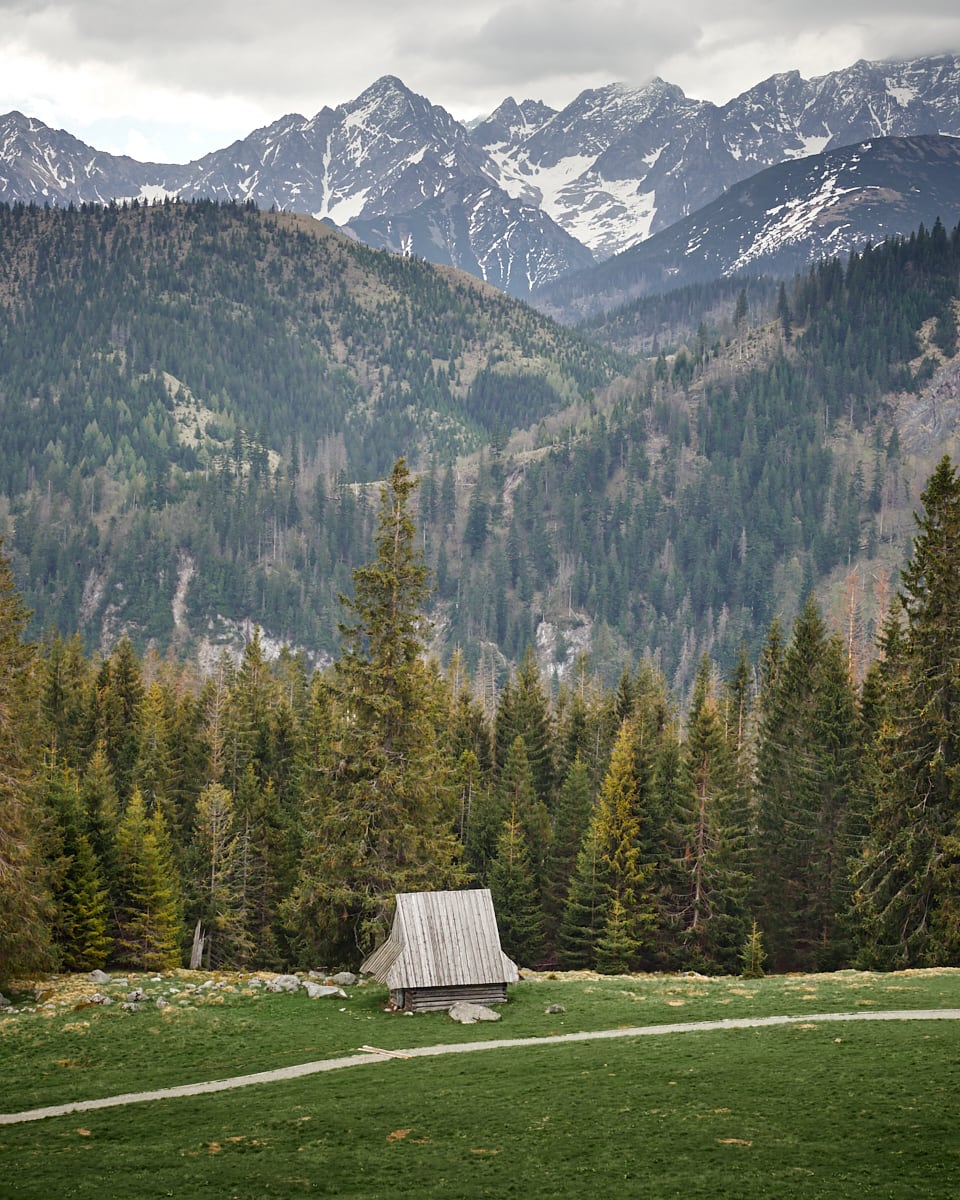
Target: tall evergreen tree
point(908, 891)
point(119, 704)
point(80, 921)
point(515, 895)
point(149, 901)
point(587, 906)
point(24, 903)
point(710, 867)
point(524, 711)
point(218, 881)
point(573, 817)
point(805, 784)
point(612, 886)
point(383, 822)
point(101, 816)
point(520, 801)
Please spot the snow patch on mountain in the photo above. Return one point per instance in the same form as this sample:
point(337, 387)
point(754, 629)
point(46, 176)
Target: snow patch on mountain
point(794, 221)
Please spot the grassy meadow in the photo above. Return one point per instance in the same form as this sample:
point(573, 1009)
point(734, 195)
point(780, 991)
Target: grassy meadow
point(818, 1109)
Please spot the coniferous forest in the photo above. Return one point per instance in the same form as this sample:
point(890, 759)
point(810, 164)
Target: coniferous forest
point(198, 401)
point(269, 814)
point(217, 419)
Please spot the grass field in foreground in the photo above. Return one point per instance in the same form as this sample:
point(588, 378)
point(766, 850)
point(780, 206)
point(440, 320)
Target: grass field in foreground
point(827, 1111)
point(65, 1053)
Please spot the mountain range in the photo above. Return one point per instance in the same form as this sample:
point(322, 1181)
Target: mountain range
point(532, 194)
point(197, 400)
point(778, 221)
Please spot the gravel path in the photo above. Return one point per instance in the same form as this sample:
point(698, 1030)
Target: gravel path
point(368, 1058)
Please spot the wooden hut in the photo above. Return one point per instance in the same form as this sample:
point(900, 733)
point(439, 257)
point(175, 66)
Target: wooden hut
point(443, 947)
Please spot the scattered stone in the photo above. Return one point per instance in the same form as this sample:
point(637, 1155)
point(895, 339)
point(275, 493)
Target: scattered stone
point(184, 1003)
point(129, 1006)
point(469, 1014)
point(209, 983)
point(100, 998)
point(319, 991)
point(254, 982)
point(553, 1008)
point(136, 996)
point(344, 979)
point(284, 983)
point(162, 1002)
point(99, 976)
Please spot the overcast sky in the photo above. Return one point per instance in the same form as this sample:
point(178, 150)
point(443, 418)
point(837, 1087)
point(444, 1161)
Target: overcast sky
point(169, 80)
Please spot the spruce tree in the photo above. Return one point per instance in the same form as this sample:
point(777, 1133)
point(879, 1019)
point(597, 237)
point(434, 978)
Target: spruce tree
point(101, 816)
point(382, 821)
point(149, 906)
point(587, 906)
point(24, 903)
point(524, 711)
point(80, 913)
point(610, 869)
point(805, 786)
point(515, 895)
point(573, 817)
point(265, 870)
point(119, 705)
point(710, 867)
point(84, 904)
point(618, 948)
point(218, 880)
point(519, 801)
point(906, 897)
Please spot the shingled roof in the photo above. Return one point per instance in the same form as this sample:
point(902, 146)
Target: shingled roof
point(442, 940)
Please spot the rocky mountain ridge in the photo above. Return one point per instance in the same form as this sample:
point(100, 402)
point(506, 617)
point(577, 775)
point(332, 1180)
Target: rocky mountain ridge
point(528, 195)
point(779, 222)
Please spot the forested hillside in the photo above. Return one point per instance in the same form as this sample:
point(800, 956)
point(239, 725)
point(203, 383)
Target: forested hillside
point(196, 400)
point(264, 817)
point(193, 397)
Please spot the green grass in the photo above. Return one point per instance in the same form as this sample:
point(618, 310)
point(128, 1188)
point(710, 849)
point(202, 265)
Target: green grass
point(67, 1054)
point(830, 1110)
point(865, 1110)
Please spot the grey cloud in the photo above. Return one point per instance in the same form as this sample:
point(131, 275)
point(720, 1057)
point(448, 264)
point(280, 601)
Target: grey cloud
point(289, 55)
point(535, 40)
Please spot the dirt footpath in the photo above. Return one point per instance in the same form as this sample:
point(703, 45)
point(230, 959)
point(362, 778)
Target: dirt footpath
point(368, 1058)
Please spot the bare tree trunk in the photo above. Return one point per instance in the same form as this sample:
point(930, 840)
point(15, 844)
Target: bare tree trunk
point(196, 951)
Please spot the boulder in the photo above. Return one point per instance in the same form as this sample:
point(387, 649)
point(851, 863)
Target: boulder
point(553, 1008)
point(136, 996)
point(344, 979)
point(284, 983)
point(469, 1014)
point(99, 976)
point(100, 998)
point(321, 991)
